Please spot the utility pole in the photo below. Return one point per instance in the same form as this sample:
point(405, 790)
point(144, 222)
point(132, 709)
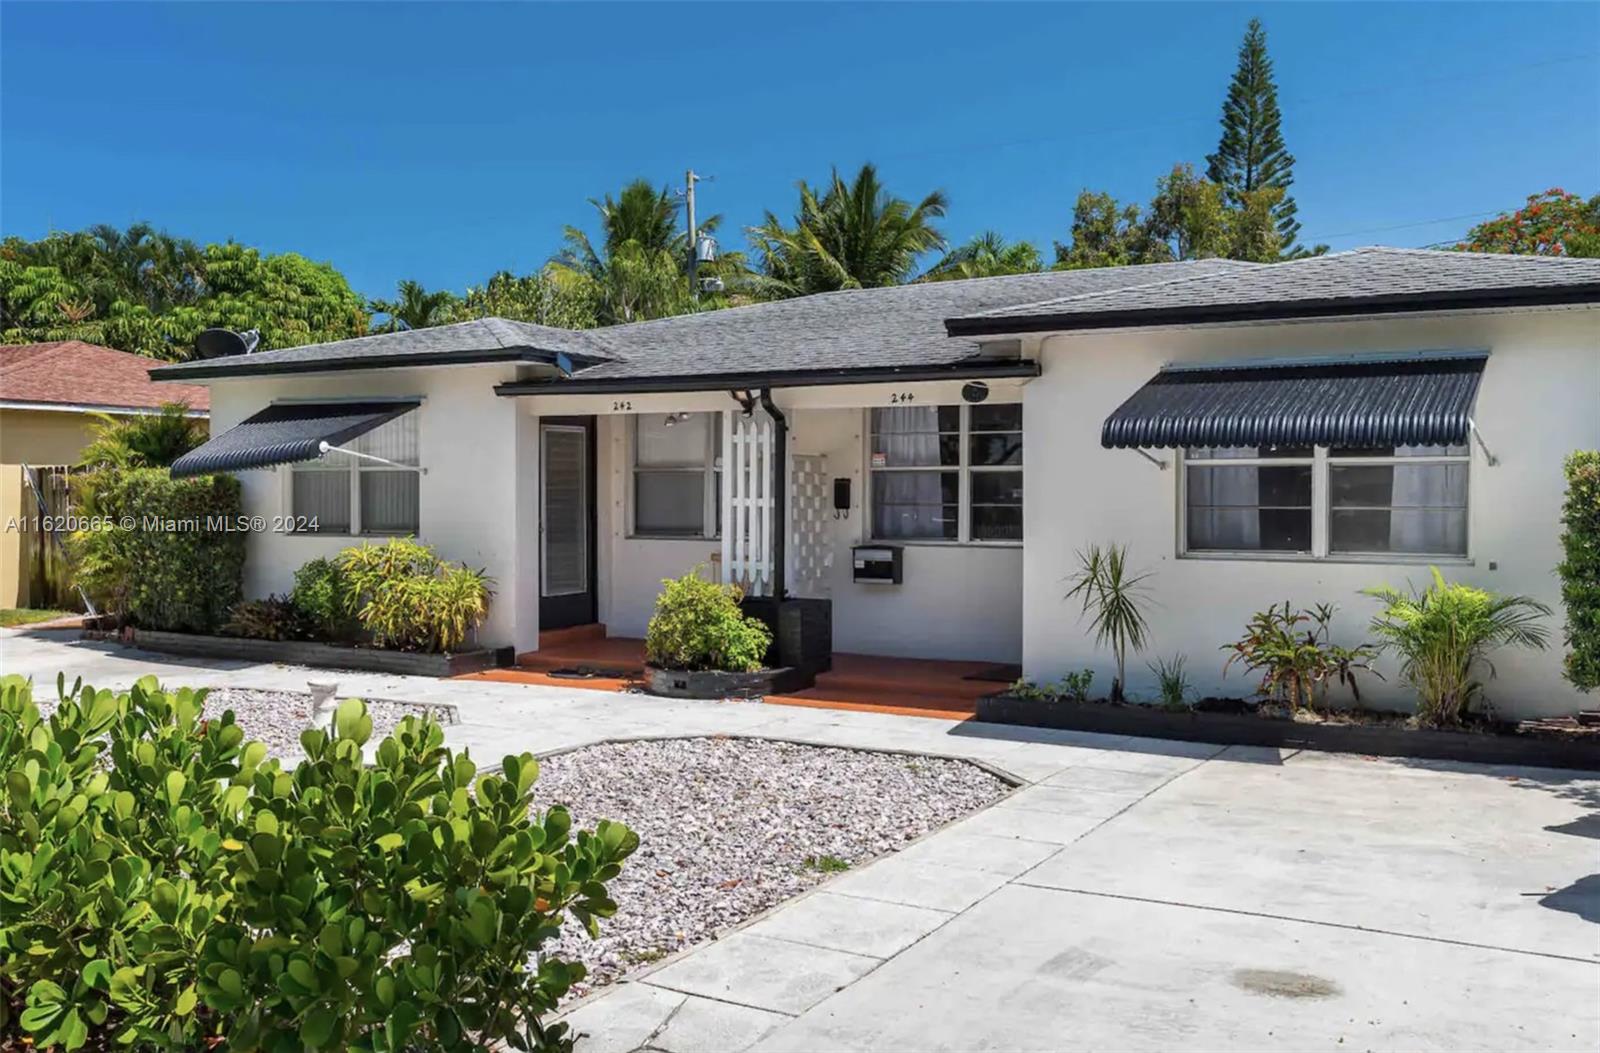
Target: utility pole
point(694, 252)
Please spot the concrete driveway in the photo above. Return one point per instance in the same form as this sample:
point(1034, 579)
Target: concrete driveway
point(1132, 894)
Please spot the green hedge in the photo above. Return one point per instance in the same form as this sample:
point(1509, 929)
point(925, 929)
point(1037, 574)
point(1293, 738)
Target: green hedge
point(1580, 570)
point(165, 885)
point(161, 555)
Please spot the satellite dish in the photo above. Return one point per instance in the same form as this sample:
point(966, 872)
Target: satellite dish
point(220, 343)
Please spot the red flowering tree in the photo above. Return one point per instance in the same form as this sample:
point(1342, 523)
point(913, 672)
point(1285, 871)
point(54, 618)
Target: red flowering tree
point(1554, 223)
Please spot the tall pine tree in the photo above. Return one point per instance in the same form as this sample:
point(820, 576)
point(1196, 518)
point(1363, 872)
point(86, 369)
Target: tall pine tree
point(1251, 154)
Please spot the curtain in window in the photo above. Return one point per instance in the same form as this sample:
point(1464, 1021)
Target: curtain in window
point(389, 501)
point(324, 496)
point(916, 504)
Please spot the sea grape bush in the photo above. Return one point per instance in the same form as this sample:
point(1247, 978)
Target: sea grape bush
point(166, 885)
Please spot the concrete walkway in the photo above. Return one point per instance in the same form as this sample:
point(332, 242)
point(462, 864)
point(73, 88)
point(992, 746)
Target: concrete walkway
point(1132, 894)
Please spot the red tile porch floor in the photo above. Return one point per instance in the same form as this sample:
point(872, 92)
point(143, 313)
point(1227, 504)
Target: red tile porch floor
point(905, 686)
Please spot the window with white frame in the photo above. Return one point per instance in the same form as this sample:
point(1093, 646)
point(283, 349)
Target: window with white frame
point(677, 480)
point(1317, 502)
point(946, 473)
point(342, 494)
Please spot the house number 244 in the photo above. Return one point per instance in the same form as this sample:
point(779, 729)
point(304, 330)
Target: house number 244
point(898, 397)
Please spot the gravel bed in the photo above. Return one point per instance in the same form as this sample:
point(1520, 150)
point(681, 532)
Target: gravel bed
point(730, 827)
point(277, 717)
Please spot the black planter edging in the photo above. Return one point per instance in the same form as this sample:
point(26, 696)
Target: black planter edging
point(713, 683)
point(320, 655)
point(1228, 729)
point(802, 631)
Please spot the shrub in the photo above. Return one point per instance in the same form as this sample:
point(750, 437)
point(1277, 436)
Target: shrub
point(176, 565)
point(324, 596)
point(167, 886)
point(698, 625)
point(1297, 661)
point(1444, 632)
point(1111, 597)
point(1072, 687)
point(274, 618)
point(407, 598)
point(1173, 682)
point(1580, 569)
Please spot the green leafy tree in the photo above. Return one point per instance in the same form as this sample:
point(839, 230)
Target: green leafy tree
point(553, 296)
point(986, 256)
point(1251, 154)
point(1107, 233)
point(853, 235)
point(414, 308)
point(147, 292)
point(1554, 223)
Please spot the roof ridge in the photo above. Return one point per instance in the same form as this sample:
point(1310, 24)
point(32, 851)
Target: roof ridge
point(1179, 280)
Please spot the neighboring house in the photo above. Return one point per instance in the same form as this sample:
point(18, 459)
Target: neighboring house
point(1253, 433)
point(48, 395)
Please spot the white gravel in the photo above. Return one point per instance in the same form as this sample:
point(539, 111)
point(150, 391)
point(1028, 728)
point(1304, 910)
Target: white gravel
point(726, 827)
point(277, 717)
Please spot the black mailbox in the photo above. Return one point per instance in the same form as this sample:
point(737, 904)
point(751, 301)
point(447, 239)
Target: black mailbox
point(879, 564)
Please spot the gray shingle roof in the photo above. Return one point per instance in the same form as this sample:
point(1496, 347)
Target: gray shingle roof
point(1358, 281)
point(480, 340)
point(902, 325)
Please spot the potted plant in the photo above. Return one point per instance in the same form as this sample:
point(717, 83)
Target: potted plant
point(700, 645)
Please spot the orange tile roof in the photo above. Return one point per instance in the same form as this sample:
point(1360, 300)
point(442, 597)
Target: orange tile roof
point(71, 372)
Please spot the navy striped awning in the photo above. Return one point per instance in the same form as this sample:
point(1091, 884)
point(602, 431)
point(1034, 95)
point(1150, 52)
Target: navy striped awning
point(287, 432)
point(1422, 399)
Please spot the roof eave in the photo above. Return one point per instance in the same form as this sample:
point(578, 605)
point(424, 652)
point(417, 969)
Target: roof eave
point(488, 356)
point(1283, 310)
point(794, 378)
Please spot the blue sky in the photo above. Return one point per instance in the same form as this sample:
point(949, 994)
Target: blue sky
point(445, 141)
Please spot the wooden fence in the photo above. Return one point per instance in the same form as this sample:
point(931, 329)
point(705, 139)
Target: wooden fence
point(44, 559)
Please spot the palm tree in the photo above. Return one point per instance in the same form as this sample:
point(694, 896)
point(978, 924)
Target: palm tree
point(986, 256)
point(640, 269)
point(852, 236)
point(417, 308)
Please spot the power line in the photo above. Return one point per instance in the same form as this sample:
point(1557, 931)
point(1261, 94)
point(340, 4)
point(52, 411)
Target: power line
point(1401, 226)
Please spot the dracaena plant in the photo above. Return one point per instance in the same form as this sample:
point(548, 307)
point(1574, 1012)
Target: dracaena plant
point(1112, 598)
point(165, 885)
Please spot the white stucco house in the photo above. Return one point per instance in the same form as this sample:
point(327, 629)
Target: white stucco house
point(1253, 433)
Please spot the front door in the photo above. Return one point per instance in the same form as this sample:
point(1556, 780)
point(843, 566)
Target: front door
point(566, 522)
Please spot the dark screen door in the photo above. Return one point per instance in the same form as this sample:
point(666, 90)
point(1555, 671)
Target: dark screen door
point(566, 522)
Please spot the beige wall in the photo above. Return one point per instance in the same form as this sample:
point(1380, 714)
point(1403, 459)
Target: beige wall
point(1539, 400)
point(34, 437)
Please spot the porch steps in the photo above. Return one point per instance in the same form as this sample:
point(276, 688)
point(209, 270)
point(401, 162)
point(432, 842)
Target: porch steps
point(581, 647)
point(909, 686)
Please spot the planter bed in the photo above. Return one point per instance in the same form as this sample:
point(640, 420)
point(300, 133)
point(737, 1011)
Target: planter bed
point(305, 652)
point(713, 683)
point(1251, 729)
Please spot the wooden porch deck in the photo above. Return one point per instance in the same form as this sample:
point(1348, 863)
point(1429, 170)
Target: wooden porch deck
point(949, 690)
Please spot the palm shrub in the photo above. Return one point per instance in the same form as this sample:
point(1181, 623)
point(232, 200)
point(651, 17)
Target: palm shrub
point(1580, 568)
point(407, 598)
point(165, 885)
point(697, 624)
point(1443, 635)
point(1112, 598)
point(150, 440)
